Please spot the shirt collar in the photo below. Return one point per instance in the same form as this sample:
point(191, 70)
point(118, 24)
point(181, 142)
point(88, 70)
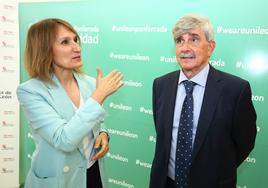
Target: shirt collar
point(200, 78)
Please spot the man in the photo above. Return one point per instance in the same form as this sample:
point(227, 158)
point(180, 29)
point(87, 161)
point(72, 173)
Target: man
point(220, 127)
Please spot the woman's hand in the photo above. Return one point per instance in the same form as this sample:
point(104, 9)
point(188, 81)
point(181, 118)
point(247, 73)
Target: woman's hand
point(107, 85)
point(101, 145)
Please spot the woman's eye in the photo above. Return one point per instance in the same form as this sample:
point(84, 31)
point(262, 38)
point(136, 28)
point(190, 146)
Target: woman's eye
point(76, 40)
point(65, 42)
point(69, 41)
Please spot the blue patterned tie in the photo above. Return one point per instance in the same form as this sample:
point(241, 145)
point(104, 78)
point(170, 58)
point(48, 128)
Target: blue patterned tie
point(184, 140)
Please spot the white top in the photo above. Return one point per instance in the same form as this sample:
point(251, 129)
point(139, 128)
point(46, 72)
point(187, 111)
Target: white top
point(88, 141)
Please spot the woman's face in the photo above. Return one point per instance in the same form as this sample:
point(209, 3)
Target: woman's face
point(66, 50)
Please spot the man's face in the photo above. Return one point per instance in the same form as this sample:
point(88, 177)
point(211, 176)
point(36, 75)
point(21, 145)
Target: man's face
point(193, 51)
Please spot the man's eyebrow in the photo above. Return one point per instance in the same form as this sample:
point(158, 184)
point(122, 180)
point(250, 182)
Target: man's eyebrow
point(193, 34)
point(189, 33)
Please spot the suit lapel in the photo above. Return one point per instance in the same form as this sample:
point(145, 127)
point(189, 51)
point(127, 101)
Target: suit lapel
point(84, 92)
point(171, 94)
point(212, 93)
point(83, 86)
point(63, 104)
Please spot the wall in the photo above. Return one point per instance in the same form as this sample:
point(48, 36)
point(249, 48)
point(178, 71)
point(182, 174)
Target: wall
point(9, 107)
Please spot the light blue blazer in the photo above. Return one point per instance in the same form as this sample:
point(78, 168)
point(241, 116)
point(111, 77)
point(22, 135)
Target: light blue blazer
point(58, 160)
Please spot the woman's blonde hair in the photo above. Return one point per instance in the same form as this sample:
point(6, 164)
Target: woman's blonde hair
point(38, 56)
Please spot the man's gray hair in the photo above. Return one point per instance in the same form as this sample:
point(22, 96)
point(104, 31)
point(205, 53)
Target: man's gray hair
point(192, 21)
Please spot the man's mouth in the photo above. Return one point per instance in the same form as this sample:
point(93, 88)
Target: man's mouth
point(186, 56)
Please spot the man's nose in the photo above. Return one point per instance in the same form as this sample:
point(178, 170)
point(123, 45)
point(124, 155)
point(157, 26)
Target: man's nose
point(185, 48)
point(185, 45)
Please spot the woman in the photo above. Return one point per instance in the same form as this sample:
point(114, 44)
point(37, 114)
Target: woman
point(64, 109)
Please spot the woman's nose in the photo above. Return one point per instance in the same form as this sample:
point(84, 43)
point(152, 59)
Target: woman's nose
point(76, 46)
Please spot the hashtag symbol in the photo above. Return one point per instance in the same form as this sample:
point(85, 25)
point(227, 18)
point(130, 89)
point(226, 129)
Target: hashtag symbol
point(219, 29)
point(137, 161)
point(162, 58)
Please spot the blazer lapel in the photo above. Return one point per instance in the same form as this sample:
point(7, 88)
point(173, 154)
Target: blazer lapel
point(86, 89)
point(63, 104)
point(84, 92)
point(171, 92)
point(212, 93)
point(83, 86)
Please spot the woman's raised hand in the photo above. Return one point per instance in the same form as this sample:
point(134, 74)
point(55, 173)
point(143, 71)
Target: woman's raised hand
point(107, 85)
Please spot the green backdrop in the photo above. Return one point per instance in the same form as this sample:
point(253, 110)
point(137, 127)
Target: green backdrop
point(135, 37)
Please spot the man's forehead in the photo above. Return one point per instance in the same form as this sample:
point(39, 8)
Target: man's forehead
point(191, 34)
point(195, 32)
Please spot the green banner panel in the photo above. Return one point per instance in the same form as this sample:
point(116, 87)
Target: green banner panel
point(135, 37)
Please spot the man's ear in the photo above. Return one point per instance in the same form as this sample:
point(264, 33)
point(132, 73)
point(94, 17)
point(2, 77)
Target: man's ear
point(212, 45)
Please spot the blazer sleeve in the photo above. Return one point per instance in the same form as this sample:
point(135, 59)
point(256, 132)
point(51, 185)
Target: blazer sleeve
point(48, 124)
point(154, 101)
point(244, 132)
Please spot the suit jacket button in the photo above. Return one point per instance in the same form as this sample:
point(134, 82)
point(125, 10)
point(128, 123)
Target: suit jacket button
point(66, 169)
